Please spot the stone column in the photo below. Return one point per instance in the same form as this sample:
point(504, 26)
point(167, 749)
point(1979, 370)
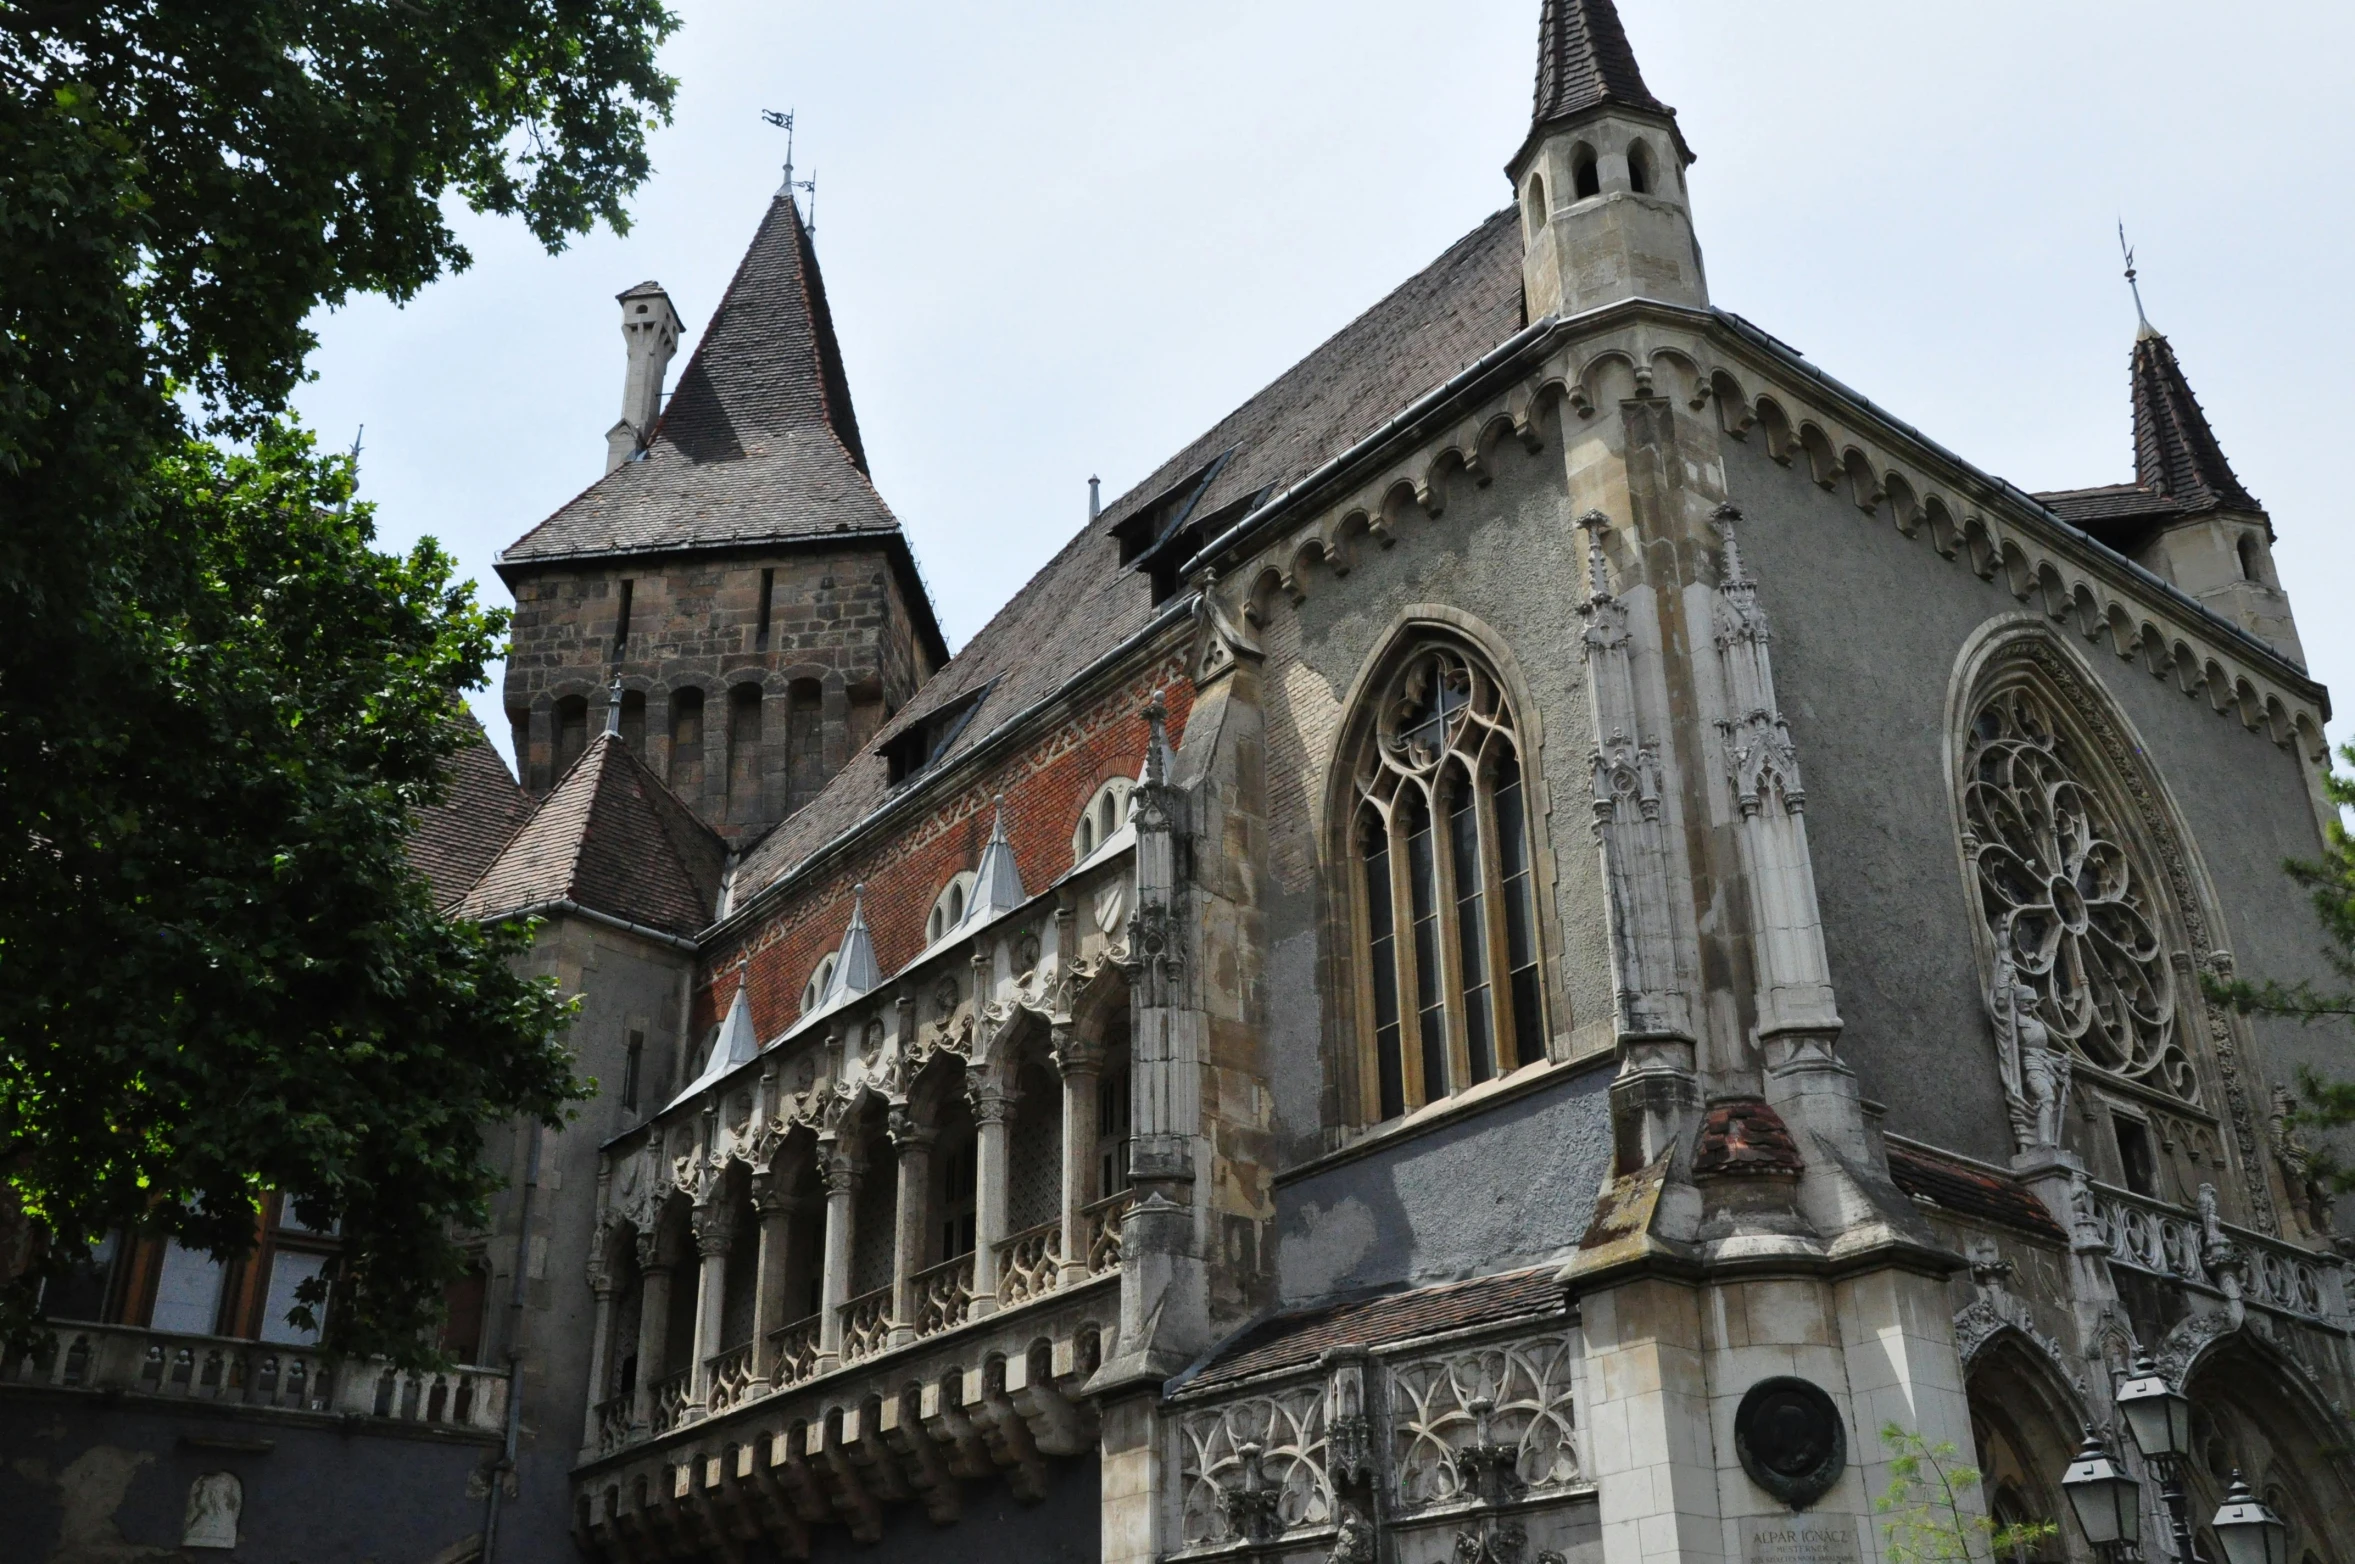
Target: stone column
point(914, 1144)
point(993, 1107)
point(1081, 1060)
point(600, 1342)
point(714, 1225)
point(841, 1172)
point(654, 1319)
point(771, 1307)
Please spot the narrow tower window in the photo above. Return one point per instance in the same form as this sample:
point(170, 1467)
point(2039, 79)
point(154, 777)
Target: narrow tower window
point(2248, 551)
point(1584, 179)
point(686, 776)
point(744, 752)
point(632, 1062)
point(572, 732)
point(768, 597)
point(1639, 168)
point(1536, 201)
point(621, 618)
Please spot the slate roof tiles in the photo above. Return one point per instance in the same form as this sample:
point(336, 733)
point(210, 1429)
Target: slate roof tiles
point(456, 839)
point(1298, 1339)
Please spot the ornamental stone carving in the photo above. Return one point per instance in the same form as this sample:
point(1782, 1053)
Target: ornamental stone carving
point(1468, 1425)
point(1255, 1468)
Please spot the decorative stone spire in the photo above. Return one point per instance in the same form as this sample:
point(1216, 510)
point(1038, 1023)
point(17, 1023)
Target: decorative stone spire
point(855, 971)
point(1601, 174)
point(997, 881)
point(2175, 452)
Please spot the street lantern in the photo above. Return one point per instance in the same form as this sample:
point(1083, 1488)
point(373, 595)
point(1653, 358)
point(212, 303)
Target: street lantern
point(2248, 1532)
point(2157, 1416)
point(2106, 1502)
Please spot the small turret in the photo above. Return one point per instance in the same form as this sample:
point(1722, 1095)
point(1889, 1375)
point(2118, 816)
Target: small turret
point(650, 329)
point(1604, 213)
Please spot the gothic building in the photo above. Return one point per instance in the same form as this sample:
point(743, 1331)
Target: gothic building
point(1546, 929)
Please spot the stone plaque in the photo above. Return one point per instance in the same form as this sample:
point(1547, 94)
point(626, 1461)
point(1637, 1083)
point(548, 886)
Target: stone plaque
point(1801, 1539)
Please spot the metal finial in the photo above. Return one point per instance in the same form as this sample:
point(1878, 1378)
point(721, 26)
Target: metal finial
point(784, 122)
point(2131, 285)
point(613, 708)
point(1598, 568)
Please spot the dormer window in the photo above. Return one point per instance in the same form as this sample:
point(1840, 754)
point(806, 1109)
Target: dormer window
point(820, 979)
point(948, 909)
point(1105, 814)
point(924, 740)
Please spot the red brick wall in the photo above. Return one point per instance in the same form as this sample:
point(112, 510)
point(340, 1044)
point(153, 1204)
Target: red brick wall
point(1044, 788)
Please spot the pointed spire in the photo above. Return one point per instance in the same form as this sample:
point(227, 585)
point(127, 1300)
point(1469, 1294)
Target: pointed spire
point(855, 971)
point(1598, 566)
point(1158, 759)
point(613, 708)
point(2175, 452)
point(1584, 62)
point(737, 1042)
point(997, 881)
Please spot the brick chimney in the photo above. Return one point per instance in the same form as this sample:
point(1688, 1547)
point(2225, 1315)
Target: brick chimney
point(650, 329)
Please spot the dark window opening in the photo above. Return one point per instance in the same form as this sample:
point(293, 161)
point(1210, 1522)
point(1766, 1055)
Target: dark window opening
point(1639, 168)
point(1111, 1135)
point(572, 733)
point(768, 595)
point(2140, 1168)
point(633, 719)
point(462, 1304)
point(2248, 553)
point(632, 1063)
point(686, 767)
point(1536, 201)
point(621, 618)
point(958, 1184)
point(1585, 180)
point(926, 739)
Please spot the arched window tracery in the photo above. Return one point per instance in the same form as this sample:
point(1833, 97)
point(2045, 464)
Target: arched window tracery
point(1442, 875)
point(2071, 906)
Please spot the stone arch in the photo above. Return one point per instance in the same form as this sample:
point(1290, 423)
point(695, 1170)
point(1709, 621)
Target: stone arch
point(2258, 1410)
point(2026, 1422)
point(2151, 868)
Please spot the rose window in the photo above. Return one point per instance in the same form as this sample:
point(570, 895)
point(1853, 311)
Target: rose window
point(2065, 896)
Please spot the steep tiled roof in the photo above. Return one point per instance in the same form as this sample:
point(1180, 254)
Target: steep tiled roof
point(1742, 1137)
point(2110, 504)
point(759, 442)
point(1969, 1190)
point(1084, 603)
point(1295, 1340)
point(2175, 452)
point(610, 837)
point(1584, 62)
point(456, 839)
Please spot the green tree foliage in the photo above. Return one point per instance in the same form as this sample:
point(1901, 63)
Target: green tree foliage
point(218, 704)
point(1927, 1520)
point(2329, 881)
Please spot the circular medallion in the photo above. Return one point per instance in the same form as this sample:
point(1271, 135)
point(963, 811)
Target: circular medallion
point(1789, 1437)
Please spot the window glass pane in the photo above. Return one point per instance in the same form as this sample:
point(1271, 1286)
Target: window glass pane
point(1463, 829)
point(1382, 954)
point(1430, 1004)
point(187, 1291)
point(80, 1294)
point(288, 1271)
point(1512, 843)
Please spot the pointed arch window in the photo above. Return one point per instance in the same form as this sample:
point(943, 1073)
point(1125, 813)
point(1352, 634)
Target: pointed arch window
point(1446, 898)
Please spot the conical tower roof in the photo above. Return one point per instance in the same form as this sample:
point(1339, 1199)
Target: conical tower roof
point(1585, 63)
point(759, 441)
point(2175, 452)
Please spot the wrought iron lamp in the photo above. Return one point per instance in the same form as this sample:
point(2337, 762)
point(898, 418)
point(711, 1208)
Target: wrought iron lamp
point(2159, 1418)
point(2106, 1502)
point(2247, 1531)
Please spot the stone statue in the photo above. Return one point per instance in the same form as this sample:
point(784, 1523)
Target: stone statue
point(2309, 1192)
point(215, 1501)
point(2036, 1073)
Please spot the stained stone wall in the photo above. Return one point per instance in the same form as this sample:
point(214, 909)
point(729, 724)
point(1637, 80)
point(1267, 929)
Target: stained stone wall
point(841, 652)
point(1870, 625)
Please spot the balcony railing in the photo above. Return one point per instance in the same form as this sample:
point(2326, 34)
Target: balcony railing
point(797, 1351)
point(731, 1378)
point(613, 1423)
point(866, 1325)
point(133, 1360)
point(1030, 1263)
point(1102, 1226)
point(943, 1295)
point(670, 1402)
point(2166, 1240)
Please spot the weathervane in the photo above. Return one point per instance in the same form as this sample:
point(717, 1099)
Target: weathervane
point(2132, 286)
point(784, 122)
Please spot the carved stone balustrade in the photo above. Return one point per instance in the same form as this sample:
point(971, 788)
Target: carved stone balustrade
point(613, 1423)
point(133, 1361)
point(1461, 1445)
point(797, 1351)
point(670, 1401)
point(901, 1425)
point(1103, 1231)
point(1028, 1263)
point(731, 1378)
point(943, 1296)
point(2196, 1249)
point(866, 1325)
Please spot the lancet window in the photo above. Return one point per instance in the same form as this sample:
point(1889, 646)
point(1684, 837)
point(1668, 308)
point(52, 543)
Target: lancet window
point(1442, 879)
point(2072, 907)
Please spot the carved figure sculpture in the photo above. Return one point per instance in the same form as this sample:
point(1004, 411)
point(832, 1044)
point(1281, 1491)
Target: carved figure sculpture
point(2036, 1073)
point(215, 1502)
point(2310, 1197)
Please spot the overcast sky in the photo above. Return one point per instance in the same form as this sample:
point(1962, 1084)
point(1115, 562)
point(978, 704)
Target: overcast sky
point(1063, 239)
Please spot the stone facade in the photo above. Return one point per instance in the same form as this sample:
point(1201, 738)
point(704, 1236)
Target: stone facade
point(1555, 880)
